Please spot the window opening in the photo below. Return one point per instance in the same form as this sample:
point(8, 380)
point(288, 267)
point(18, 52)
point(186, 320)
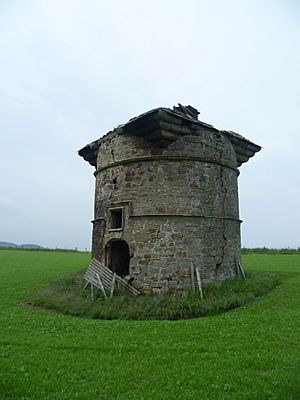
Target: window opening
point(116, 218)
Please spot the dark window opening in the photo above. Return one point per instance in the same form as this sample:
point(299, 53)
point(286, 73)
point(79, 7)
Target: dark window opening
point(116, 218)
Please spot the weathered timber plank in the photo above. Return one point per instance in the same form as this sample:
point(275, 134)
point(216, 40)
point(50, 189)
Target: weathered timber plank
point(193, 277)
point(113, 282)
point(199, 282)
point(101, 285)
point(108, 279)
point(242, 270)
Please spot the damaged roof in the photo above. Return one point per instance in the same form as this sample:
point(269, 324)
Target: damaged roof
point(168, 125)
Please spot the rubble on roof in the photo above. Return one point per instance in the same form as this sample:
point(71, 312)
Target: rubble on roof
point(169, 125)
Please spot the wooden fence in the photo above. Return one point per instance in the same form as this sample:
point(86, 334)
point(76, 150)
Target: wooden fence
point(106, 280)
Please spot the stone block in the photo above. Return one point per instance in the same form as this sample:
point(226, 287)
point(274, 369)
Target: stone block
point(172, 284)
point(147, 290)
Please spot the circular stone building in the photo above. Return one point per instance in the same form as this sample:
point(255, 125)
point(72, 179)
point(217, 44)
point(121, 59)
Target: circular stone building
point(166, 199)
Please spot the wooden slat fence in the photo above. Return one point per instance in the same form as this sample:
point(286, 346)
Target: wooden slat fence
point(103, 278)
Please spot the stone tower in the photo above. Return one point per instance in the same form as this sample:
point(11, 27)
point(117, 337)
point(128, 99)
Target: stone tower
point(166, 199)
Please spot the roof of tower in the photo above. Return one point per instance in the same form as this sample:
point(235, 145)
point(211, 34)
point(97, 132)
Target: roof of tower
point(165, 124)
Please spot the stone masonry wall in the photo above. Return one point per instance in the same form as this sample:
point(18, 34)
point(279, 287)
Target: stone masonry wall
point(180, 206)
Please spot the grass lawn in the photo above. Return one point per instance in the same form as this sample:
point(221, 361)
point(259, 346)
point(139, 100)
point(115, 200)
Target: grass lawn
point(66, 295)
point(251, 352)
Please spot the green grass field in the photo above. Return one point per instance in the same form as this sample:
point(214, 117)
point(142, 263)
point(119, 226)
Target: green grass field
point(249, 353)
point(65, 295)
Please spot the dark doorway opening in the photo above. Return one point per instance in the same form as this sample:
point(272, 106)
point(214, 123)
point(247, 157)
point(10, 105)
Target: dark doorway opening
point(118, 257)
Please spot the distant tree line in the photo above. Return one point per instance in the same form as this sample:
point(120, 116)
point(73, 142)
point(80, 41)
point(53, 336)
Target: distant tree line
point(244, 250)
point(57, 249)
point(266, 250)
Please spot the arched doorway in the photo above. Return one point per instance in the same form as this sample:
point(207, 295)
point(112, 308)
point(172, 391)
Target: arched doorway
point(117, 257)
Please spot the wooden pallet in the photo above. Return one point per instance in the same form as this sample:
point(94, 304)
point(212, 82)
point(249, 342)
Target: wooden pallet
point(106, 280)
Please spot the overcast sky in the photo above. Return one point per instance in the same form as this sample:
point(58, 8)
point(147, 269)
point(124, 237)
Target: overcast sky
point(72, 70)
